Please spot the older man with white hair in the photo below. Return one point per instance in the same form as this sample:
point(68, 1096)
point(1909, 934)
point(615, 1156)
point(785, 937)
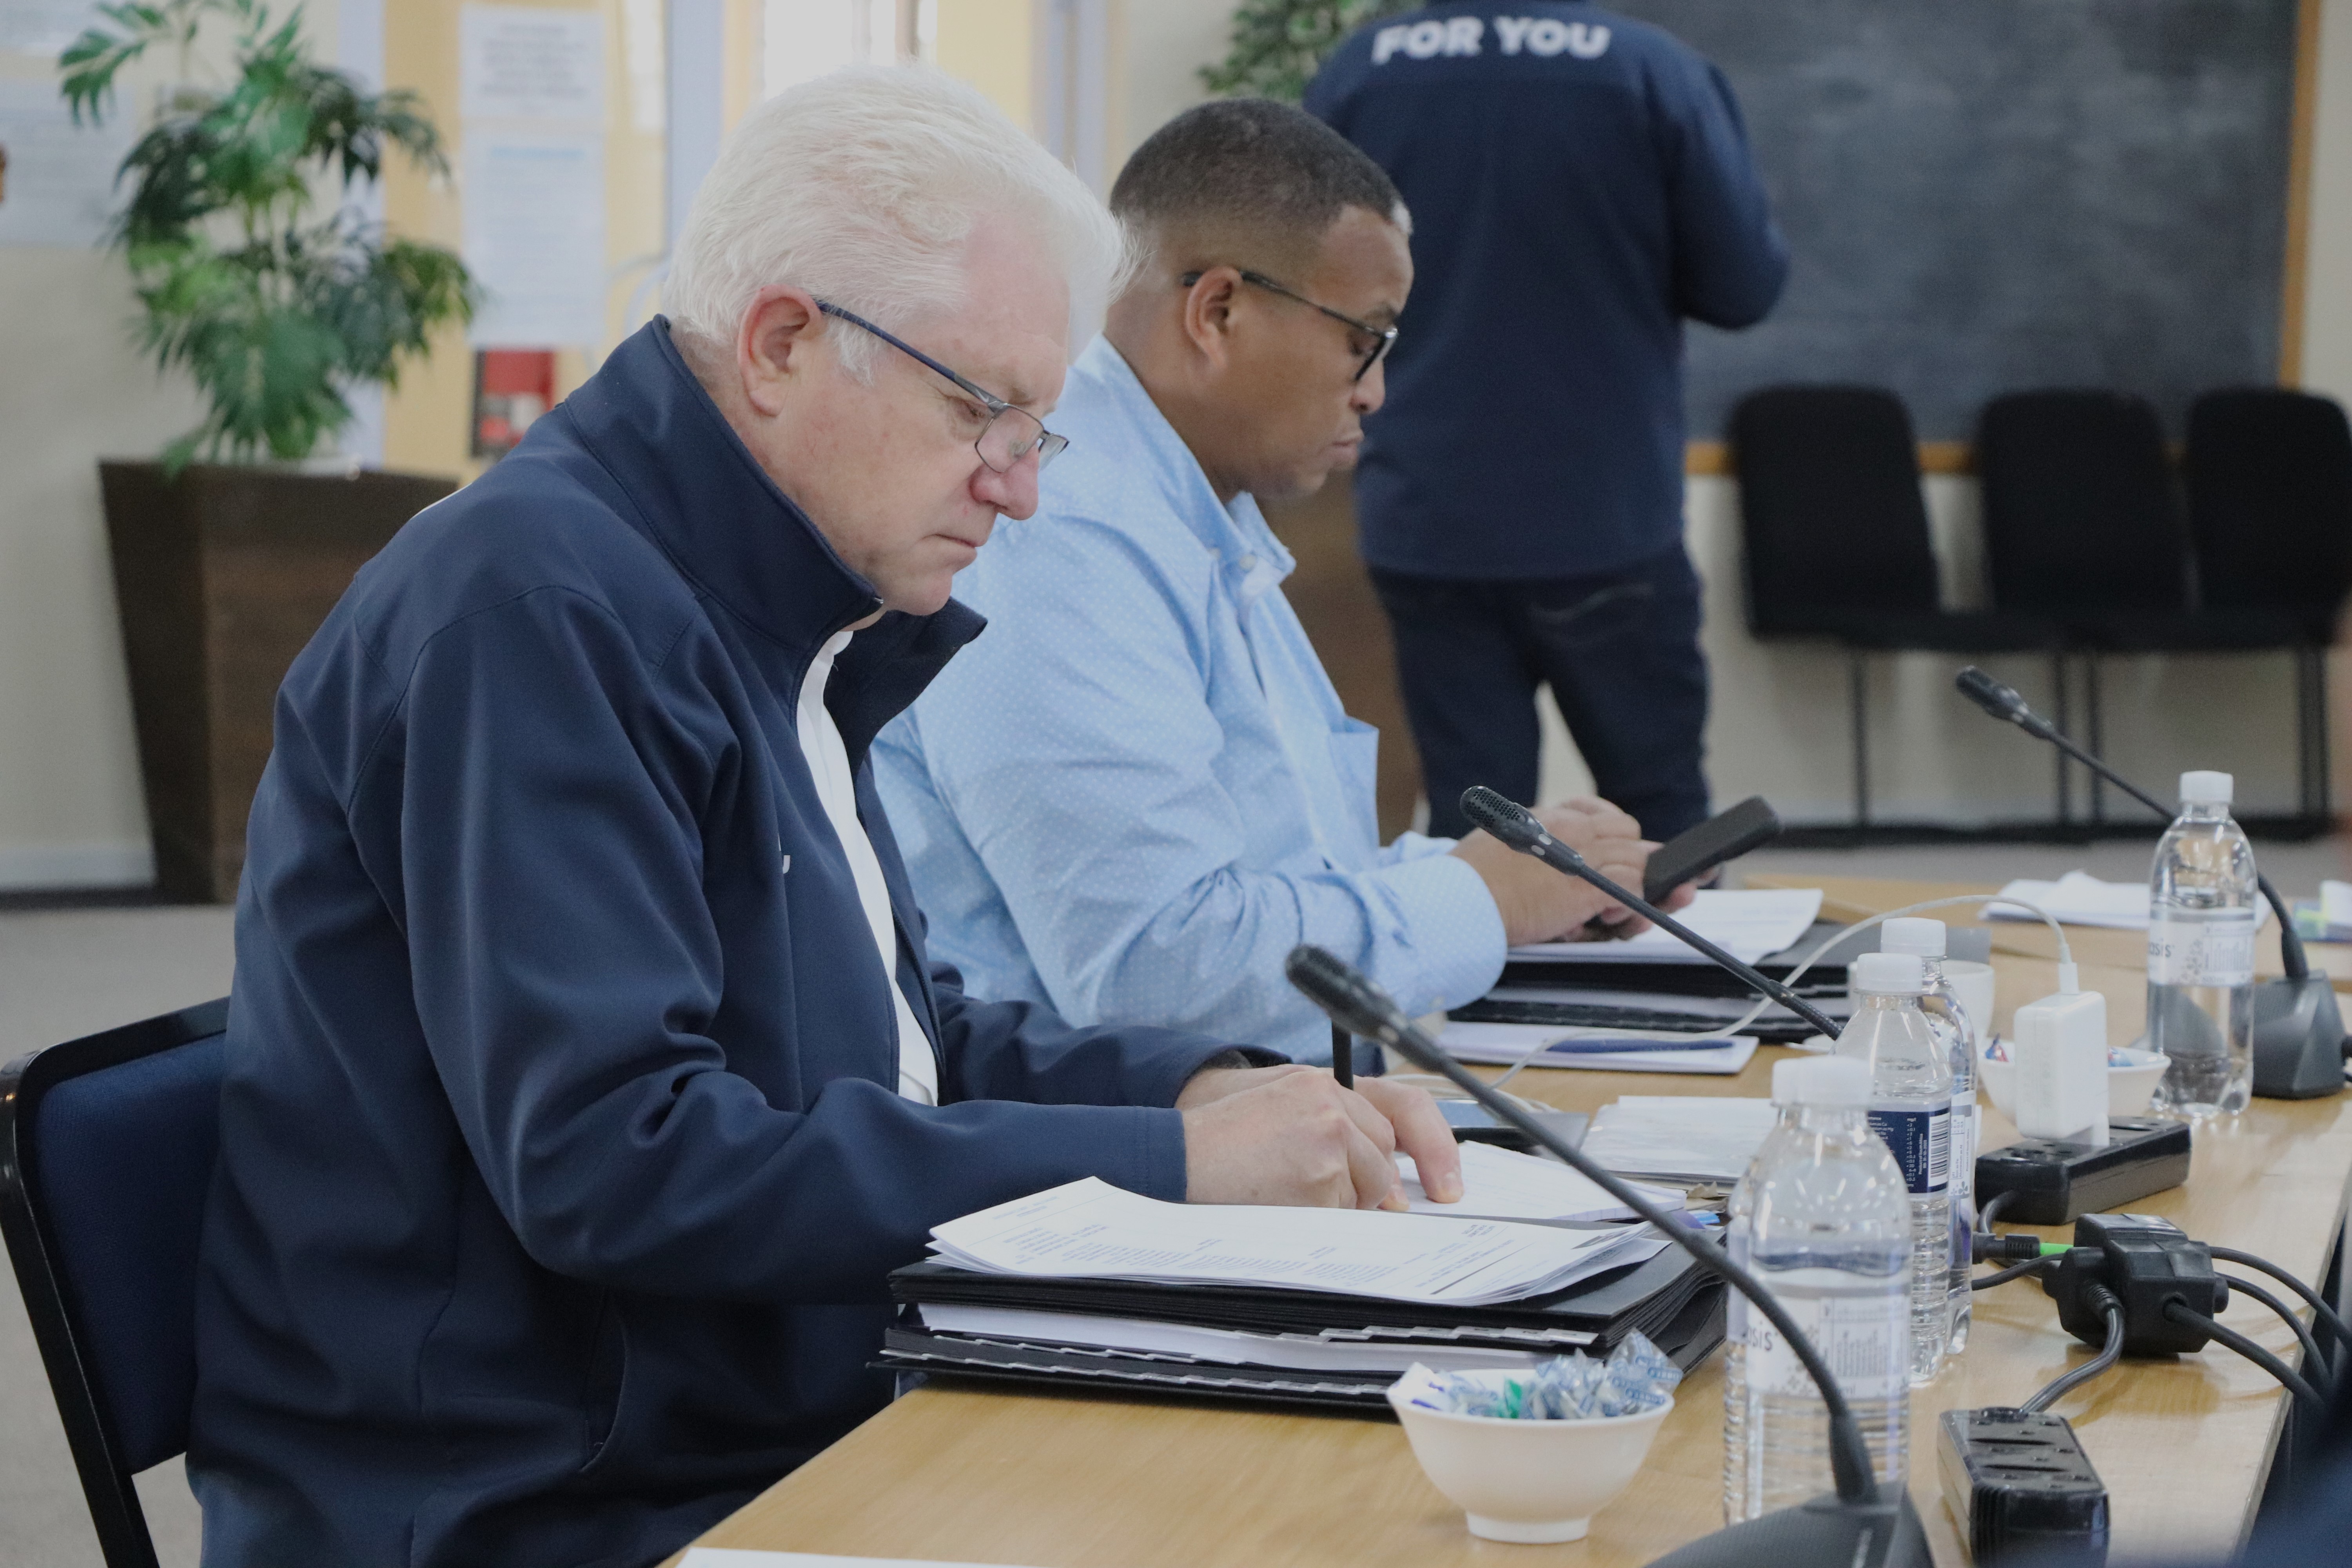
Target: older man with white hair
point(585, 1074)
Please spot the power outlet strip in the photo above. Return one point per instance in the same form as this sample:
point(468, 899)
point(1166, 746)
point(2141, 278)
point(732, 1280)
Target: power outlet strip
point(2055, 1182)
point(2021, 1489)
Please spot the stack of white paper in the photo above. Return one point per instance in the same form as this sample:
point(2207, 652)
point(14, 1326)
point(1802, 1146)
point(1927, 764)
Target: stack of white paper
point(1501, 1183)
point(1747, 925)
point(1679, 1138)
point(1090, 1229)
point(1510, 1045)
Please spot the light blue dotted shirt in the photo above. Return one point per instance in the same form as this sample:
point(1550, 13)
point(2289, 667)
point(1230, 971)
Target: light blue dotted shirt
point(1137, 791)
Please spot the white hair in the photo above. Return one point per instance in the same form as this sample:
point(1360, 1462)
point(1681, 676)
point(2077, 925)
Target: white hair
point(862, 187)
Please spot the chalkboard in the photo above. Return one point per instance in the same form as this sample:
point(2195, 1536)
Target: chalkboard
point(1985, 195)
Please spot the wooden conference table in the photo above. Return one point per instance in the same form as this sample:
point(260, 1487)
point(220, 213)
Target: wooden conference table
point(1053, 1481)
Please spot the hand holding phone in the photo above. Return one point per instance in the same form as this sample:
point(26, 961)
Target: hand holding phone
point(1724, 837)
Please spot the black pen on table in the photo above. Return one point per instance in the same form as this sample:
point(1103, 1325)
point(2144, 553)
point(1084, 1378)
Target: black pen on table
point(1343, 1057)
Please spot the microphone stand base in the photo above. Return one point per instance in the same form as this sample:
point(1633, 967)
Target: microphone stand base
point(2298, 1039)
point(1822, 1533)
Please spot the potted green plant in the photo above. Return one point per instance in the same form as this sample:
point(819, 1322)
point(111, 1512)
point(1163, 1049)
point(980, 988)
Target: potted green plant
point(230, 549)
point(1277, 46)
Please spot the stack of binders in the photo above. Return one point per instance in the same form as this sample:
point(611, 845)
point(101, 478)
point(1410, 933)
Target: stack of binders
point(1086, 1287)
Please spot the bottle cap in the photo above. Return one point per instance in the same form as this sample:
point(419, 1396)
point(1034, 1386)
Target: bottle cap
point(2201, 786)
point(1831, 1082)
point(1888, 973)
point(1912, 935)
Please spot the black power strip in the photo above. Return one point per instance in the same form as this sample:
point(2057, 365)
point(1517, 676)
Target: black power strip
point(2052, 1183)
point(2020, 1488)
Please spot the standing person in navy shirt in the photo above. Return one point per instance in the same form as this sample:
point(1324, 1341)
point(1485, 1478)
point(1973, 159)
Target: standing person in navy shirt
point(1580, 182)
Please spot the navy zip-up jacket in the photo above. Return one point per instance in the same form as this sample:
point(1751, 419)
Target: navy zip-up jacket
point(560, 1156)
point(1580, 182)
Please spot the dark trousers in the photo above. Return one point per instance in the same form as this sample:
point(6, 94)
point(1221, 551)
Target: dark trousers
point(1620, 651)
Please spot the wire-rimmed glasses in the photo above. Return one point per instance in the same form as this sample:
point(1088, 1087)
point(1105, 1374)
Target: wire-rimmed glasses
point(1383, 338)
point(1011, 433)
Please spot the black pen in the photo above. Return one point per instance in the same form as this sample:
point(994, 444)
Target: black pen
point(1343, 1057)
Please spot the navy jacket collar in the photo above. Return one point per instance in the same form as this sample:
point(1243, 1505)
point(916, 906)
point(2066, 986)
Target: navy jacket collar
point(702, 497)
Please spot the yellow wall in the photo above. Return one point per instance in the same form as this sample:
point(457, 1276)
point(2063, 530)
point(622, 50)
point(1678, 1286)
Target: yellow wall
point(989, 42)
point(426, 419)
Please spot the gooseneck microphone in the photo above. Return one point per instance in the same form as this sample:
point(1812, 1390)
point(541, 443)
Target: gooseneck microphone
point(2003, 702)
point(1517, 827)
point(2299, 1041)
point(1862, 1524)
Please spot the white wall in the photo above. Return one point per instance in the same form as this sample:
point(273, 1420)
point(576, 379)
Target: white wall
point(74, 391)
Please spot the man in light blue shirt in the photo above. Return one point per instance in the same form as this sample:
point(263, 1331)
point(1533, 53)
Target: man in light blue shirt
point(1137, 791)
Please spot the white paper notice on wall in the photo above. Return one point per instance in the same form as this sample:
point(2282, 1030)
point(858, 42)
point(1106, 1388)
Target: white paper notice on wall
point(535, 236)
point(520, 62)
point(44, 27)
point(60, 176)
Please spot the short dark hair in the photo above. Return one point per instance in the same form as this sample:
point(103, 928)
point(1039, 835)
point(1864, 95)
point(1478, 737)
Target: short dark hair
point(1249, 166)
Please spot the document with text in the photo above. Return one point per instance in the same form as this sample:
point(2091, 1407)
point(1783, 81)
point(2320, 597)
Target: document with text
point(1502, 1183)
point(1090, 1229)
point(1747, 924)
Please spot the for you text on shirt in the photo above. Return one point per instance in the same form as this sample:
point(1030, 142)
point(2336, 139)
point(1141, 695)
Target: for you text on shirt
point(1544, 36)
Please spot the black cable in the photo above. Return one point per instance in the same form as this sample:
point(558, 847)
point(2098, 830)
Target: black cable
point(2018, 1271)
point(2315, 1364)
point(2321, 1311)
point(2066, 1382)
point(1991, 1209)
point(2180, 1311)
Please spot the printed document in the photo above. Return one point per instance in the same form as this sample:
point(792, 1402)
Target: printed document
point(1508, 1045)
point(1090, 1229)
point(1747, 924)
point(1679, 1137)
point(1503, 1184)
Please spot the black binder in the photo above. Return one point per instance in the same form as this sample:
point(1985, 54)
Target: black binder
point(1678, 1305)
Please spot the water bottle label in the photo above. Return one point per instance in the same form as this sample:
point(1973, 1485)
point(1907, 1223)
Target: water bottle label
point(1921, 1141)
point(1863, 1331)
point(2202, 952)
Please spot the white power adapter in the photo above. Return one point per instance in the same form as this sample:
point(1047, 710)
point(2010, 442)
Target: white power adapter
point(2060, 1047)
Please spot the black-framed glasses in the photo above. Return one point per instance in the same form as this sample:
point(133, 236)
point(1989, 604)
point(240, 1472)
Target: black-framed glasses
point(1383, 338)
point(1011, 433)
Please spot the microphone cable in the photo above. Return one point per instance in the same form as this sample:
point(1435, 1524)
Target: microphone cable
point(2014, 1271)
point(2058, 1387)
point(2223, 1334)
point(2321, 1312)
point(2315, 1365)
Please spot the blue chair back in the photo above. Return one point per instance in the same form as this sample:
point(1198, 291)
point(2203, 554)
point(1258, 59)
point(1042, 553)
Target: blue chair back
point(107, 1148)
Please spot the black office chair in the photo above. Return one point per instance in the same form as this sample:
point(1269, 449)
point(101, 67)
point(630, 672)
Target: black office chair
point(107, 1147)
point(2084, 525)
point(1837, 543)
point(2270, 511)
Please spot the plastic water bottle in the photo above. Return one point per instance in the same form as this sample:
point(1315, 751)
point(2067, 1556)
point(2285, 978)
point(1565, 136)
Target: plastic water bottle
point(1950, 1020)
point(2201, 955)
point(1822, 1220)
point(1911, 1110)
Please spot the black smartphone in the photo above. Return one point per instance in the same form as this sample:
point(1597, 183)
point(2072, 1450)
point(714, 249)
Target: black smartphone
point(1727, 835)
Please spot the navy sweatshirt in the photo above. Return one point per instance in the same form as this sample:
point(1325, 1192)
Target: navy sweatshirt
point(560, 1158)
point(1580, 182)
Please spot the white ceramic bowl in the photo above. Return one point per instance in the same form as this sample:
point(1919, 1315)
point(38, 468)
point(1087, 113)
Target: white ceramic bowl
point(2131, 1084)
point(1528, 1481)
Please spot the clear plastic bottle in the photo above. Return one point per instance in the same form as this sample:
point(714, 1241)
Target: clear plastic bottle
point(1911, 1110)
point(2201, 955)
point(1822, 1220)
point(1928, 939)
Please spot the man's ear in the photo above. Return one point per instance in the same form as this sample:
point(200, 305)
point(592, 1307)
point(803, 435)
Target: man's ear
point(778, 341)
point(1208, 312)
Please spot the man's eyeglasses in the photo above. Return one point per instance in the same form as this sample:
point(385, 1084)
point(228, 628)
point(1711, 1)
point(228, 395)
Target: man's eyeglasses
point(1011, 433)
point(1383, 338)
